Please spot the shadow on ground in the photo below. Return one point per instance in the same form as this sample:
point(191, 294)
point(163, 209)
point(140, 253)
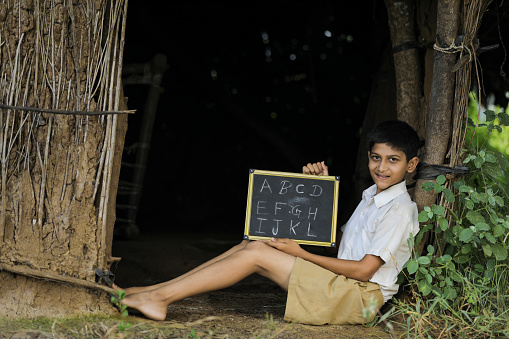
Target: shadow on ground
point(252, 308)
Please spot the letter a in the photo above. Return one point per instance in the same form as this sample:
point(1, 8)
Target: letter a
point(265, 185)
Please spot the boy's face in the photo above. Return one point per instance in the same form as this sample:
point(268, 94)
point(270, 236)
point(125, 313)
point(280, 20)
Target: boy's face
point(388, 166)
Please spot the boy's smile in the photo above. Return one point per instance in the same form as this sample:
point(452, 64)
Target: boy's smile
point(388, 166)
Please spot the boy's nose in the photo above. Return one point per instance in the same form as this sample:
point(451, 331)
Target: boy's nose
point(383, 166)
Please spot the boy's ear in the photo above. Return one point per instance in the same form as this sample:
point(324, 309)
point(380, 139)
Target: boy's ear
point(412, 164)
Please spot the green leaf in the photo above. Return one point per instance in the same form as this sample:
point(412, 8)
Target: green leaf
point(490, 115)
point(428, 186)
point(498, 128)
point(423, 216)
point(490, 237)
point(438, 188)
point(412, 266)
point(499, 251)
point(444, 224)
point(498, 231)
point(478, 162)
point(449, 196)
point(430, 249)
point(466, 189)
point(469, 204)
point(475, 217)
point(465, 249)
point(466, 235)
point(493, 170)
point(423, 260)
point(441, 179)
point(490, 157)
point(450, 293)
point(499, 201)
point(482, 197)
point(424, 287)
point(491, 201)
point(482, 226)
point(438, 210)
point(503, 118)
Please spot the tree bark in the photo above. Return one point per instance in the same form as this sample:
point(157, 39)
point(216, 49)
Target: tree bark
point(406, 60)
point(442, 95)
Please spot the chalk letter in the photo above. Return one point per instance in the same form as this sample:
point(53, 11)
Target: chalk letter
point(284, 188)
point(277, 207)
point(276, 229)
point(258, 207)
point(260, 227)
point(312, 213)
point(297, 188)
point(265, 185)
point(296, 211)
point(292, 227)
point(309, 231)
point(314, 194)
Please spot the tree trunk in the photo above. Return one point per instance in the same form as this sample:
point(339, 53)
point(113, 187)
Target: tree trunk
point(406, 60)
point(442, 94)
point(59, 172)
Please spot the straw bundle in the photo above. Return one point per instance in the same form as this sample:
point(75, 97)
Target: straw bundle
point(56, 170)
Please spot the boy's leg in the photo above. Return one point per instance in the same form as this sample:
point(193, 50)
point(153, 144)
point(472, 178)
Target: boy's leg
point(234, 249)
point(256, 257)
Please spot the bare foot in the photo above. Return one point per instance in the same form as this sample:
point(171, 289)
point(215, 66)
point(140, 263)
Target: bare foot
point(148, 304)
point(133, 290)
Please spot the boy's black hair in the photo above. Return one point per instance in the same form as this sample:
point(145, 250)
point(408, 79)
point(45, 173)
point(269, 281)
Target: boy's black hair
point(397, 134)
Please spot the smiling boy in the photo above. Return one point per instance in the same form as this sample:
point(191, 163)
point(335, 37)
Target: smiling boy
point(373, 249)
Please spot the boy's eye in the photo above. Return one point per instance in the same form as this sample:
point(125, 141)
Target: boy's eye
point(393, 159)
point(375, 157)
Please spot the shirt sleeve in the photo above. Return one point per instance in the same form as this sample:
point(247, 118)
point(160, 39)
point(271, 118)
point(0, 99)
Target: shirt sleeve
point(392, 232)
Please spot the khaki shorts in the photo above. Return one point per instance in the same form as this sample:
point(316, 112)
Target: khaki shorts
point(317, 296)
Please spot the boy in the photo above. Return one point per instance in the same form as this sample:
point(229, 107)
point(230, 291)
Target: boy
point(373, 249)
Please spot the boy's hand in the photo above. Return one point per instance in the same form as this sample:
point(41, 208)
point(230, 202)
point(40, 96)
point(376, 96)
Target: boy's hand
point(318, 168)
point(286, 245)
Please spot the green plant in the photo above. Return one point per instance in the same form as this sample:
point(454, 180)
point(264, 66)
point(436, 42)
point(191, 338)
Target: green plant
point(117, 301)
point(463, 274)
point(193, 335)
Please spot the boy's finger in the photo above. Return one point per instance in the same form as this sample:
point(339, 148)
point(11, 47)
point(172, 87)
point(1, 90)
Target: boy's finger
point(308, 169)
point(317, 167)
point(325, 168)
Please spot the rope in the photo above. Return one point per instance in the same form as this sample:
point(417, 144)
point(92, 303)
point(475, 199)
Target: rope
point(64, 112)
point(453, 48)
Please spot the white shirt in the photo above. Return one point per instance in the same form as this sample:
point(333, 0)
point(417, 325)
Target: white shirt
point(381, 226)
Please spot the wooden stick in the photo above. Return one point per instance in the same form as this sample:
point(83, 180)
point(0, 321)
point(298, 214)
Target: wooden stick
point(29, 272)
point(64, 112)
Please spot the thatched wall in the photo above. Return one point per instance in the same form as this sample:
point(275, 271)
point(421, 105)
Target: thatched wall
point(59, 172)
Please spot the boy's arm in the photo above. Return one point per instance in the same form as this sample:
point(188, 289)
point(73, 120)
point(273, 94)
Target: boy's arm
point(361, 270)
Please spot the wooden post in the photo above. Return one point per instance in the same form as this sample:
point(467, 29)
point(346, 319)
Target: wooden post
point(406, 60)
point(442, 94)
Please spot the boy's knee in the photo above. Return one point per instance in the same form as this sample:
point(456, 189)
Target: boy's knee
point(257, 247)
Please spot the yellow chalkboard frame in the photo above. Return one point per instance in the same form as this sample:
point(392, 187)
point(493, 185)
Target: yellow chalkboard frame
point(336, 180)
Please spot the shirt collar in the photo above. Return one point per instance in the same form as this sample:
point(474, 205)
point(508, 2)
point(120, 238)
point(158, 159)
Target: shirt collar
point(386, 195)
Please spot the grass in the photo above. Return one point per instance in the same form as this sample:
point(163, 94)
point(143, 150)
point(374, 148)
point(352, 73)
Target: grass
point(96, 327)
point(130, 327)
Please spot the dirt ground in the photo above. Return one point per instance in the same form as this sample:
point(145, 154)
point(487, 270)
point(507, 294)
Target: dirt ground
point(252, 308)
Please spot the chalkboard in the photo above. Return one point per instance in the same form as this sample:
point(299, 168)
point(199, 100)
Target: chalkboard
point(301, 207)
